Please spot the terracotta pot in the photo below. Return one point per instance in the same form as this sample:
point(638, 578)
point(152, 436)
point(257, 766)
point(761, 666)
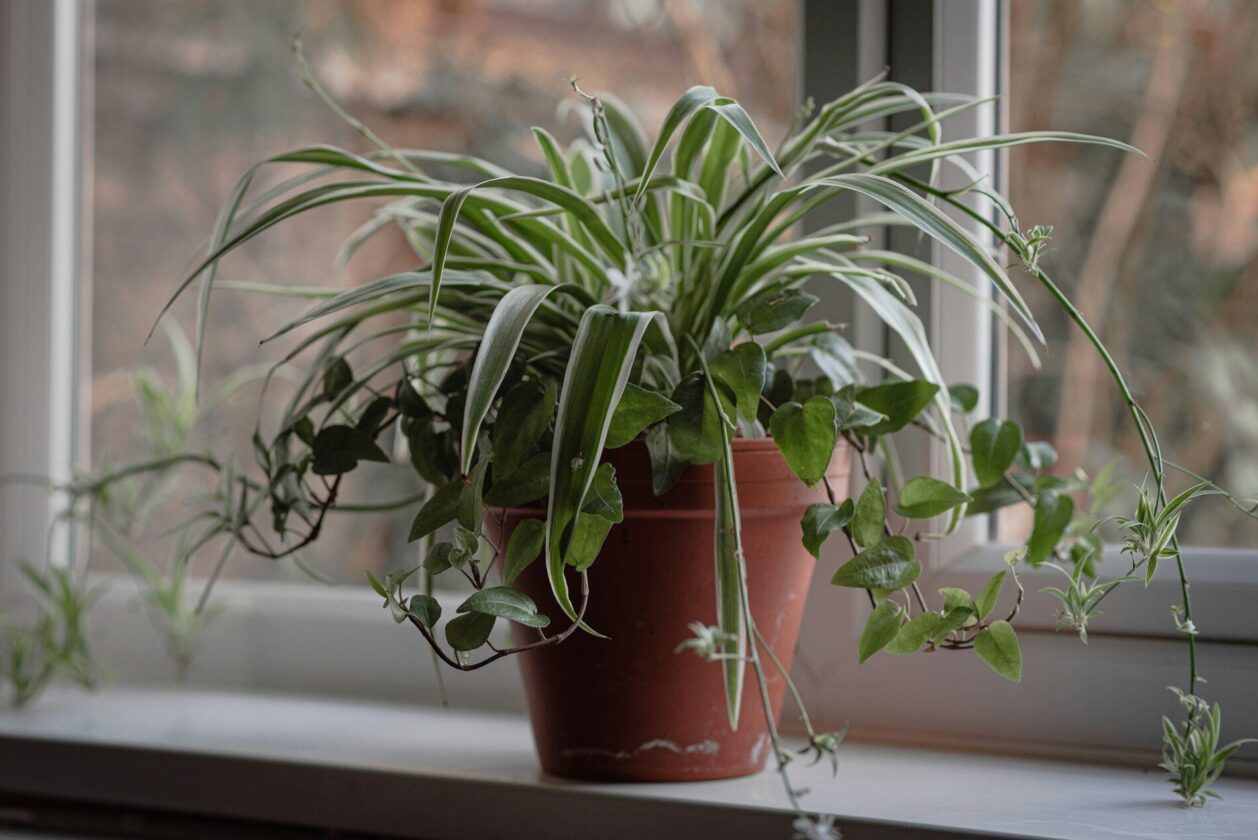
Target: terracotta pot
point(629, 708)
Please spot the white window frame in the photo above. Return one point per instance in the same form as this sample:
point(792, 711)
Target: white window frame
point(307, 638)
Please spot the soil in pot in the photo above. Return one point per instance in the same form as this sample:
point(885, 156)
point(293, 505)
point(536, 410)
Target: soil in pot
point(629, 707)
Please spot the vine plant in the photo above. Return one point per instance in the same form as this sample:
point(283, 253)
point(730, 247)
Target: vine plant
point(636, 295)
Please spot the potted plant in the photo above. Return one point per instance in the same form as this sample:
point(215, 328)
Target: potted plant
point(599, 374)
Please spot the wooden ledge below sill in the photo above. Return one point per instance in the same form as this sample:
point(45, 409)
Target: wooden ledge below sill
point(401, 771)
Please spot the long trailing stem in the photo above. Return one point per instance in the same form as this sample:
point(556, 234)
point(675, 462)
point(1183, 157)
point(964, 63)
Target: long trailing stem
point(1148, 437)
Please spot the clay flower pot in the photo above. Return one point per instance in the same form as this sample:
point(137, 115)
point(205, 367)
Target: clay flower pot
point(629, 708)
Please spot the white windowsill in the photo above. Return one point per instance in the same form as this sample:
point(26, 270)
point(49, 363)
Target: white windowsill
point(392, 769)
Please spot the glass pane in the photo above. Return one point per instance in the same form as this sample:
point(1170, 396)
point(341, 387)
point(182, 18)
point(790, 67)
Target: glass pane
point(188, 95)
point(1161, 253)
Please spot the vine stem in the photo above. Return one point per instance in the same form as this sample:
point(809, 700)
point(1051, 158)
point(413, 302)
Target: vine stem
point(1148, 437)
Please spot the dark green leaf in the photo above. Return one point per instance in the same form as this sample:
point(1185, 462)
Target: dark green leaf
point(666, 465)
point(889, 564)
point(806, 434)
point(441, 507)
point(955, 598)
point(1053, 512)
point(527, 484)
point(718, 340)
point(742, 368)
point(964, 398)
point(986, 600)
point(603, 498)
point(911, 637)
point(899, 402)
point(779, 387)
point(588, 536)
point(432, 452)
point(774, 309)
point(850, 414)
point(880, 628)
point(822, 518)
point(337, 377)
point(410, 403)
point(998, 646)
point(426, 609)
point(523, 548)
point(696, 429)
point(472, 501)
point(338, 449)
point(993, 446)
point(1037, 455)
point(442, 556)
point(637, 409)
point(504, 602)
point(469, 631)
point(989, 499)
point(373, 415)
point(870, 518)
point(304, 429)
point(523, 417)
point(924, 497)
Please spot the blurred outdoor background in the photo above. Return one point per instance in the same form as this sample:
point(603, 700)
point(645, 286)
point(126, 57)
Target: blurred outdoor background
point(188, 95)
point(1162, 255)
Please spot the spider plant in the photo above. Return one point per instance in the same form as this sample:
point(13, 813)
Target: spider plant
point(657, 290)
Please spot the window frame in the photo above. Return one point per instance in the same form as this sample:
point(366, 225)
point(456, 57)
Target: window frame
point(967, 51)
point(283, 635)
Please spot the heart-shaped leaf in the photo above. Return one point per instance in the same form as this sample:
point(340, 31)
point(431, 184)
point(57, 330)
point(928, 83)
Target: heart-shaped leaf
point(964, 398)
point(637, 409)
point(924, 497)
point(603, 498)
point(881, 627)
point(774, 309)
point(469, 631)
point(998, 646)
point(899, 402)
point(986, 600)
point(426, 609)
point(588, 535)
point(850, 414)
point(993, 446)
point(889, 564)
point(504, 602)
point(822, 518)
point(869, 520)
point(1037, 455)
point(1053, 512)
point(442, 507)
point(695, 430)
point(527, 484)
point(522, 419)
point(806, 434)
point(743, 369)
point(338, 449)
point(523, 548)
point(472, 501)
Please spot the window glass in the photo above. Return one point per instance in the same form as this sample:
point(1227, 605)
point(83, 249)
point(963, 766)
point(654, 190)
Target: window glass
point(186, 96)
point(1160, 253)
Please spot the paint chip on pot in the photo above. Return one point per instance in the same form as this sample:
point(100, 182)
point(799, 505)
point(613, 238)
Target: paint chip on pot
point(705, 747)
point(758, 748)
